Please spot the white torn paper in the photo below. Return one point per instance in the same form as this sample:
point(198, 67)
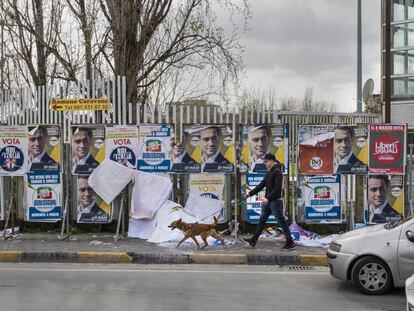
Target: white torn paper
point(109, 179)
point(203, 208)
point(149, 193)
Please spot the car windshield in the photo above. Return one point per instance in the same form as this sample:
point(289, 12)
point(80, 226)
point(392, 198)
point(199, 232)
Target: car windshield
point(395, 223)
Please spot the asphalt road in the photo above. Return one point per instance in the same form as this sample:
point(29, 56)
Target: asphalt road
point(28, 286)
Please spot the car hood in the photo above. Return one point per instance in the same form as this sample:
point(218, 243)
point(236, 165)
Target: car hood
point(369, 240)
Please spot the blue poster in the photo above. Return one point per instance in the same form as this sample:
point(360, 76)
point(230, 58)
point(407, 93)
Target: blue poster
point(44, 196)
point(254, 203)
point(154, 148)
point(322, 198)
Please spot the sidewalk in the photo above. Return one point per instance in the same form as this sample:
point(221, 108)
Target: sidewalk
point(101, 248)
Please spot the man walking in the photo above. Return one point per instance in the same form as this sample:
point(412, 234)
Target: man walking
point(272, 202)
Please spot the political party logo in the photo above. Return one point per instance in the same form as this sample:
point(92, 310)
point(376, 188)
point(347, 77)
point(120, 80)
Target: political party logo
point(209, 195)
point(11, 157)
point(316, 163)
point(45, 199)
point(154, 152)
point(322, 198)
point(387, 149)
point(123, 156)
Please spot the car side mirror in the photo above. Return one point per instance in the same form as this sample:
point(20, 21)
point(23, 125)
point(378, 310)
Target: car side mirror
point(410, 235)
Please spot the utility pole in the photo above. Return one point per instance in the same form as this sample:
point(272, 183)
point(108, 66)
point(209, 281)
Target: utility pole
point(359, 60)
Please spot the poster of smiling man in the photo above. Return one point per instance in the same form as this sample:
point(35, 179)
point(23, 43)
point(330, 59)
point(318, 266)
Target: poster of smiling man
point(351, 149)
point(261, 139)
point(45, 145)
point(154, 148)
point(88, 148)
point(210, 147)
point(13, 150)
point(122, 145)
point(385, 198)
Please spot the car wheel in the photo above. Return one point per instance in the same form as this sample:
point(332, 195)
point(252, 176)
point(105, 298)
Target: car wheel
point(371, 276)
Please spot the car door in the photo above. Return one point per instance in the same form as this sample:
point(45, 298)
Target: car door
point(406, 250)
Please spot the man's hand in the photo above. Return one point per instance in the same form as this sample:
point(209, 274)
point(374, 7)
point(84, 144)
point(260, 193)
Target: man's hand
point(265, 201)
point(246, 196)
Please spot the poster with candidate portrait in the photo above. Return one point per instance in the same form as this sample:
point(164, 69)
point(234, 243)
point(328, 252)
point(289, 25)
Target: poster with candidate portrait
point(208, 148)
point(316, 146)
point(351, 149)
point(322, 199)
point(44, 196)
point(154, 148)
point(261, 139)
point(254, 203)
point(44, 148)
point(13, 150)
point(387, 148)
point(121, 145)
point(385, 198)
point(88, 148)
point(91, 208)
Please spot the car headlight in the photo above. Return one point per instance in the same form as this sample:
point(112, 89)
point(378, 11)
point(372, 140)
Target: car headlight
point(335, 247)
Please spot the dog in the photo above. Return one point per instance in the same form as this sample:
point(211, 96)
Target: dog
point(192, 230)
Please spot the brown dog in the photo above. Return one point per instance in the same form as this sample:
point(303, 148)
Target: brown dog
point(192, 230)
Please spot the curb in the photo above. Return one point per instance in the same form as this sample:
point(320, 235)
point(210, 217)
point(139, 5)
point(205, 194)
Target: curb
point(165, 258)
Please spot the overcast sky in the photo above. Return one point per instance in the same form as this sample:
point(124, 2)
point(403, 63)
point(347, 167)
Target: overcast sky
point(292, 44)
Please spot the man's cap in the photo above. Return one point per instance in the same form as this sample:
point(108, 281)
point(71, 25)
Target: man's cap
point(269, 156)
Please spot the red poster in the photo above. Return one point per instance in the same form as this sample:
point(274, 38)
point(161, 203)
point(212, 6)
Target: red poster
point(316, 149)
point(387, 149)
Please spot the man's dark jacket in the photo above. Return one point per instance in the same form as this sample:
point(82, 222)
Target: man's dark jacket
point(273, 182)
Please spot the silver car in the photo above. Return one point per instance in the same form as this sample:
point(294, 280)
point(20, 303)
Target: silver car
point(375, 258)
point(409, 290)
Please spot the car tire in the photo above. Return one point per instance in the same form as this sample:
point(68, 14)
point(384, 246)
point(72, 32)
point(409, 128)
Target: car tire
point(372, 276)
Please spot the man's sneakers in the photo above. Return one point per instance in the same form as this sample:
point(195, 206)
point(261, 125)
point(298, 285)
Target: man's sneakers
point(289, 245)
point(249, 242)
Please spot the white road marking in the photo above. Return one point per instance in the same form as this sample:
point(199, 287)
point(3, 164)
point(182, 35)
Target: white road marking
point(163, 271)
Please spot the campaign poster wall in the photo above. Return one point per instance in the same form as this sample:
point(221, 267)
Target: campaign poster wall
point(44, 196)
point(88, 148)
point(44, 148)
point(13, 150)
point(316, 144)
point(261, 139)
point(387, 149)
point(121, 145)
point(91, 208)
point(254, 203)
point(322, 198)
point(207, 148)
point(154, 148)
point(351, 149)
point(385, 198)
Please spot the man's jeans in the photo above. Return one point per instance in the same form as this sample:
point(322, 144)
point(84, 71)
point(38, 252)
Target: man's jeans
point(277, 208)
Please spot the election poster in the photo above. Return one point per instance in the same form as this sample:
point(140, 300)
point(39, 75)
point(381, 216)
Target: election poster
point(88, 148)
point(351, 149)
point(316, 143)
point(261, 139)
point(210, 186)
point(207, 185)
point(322, 199)
point(122, 145)
point(385, 198)
point(44, 148)
point(154, 148)
point(254, 203)
point(205, 148)
point(13, 150)
point(387, 149)
point(90, 207)
point(44, 196)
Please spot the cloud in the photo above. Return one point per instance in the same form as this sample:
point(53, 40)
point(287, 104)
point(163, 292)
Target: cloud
point(294, 43)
